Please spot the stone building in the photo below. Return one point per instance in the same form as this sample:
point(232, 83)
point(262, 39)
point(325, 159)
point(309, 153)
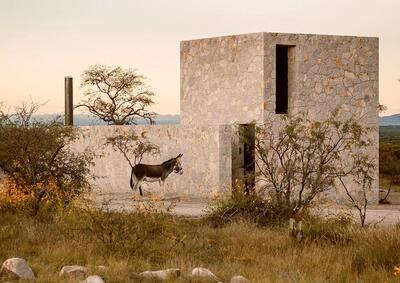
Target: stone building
point(244, 79)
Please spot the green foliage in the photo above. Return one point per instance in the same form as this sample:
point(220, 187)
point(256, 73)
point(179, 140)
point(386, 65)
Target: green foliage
point(305, 158)
point(36, 157)
point(389, 134)
point(115, 95)
point(132, 147)
point(389, 162)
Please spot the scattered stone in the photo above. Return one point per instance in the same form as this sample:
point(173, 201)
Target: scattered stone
point(239, 279)
point(74, 271)
point(93, 279)
point(204, 274)
point(165, 274)
point(17, 267)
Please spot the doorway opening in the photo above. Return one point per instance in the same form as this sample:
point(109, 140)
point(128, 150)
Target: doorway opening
point(243, 170)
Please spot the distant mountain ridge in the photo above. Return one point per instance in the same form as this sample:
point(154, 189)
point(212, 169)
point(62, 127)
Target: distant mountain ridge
point(172, 119)
point(392, 120)
point(88, 120)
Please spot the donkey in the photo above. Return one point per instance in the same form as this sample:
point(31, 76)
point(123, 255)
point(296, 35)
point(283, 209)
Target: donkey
point(153, 173)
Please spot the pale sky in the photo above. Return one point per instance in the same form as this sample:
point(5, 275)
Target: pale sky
point(42, 41)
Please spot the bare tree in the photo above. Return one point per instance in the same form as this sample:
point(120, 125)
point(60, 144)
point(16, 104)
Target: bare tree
point(362, 176)
point(132, 147)
point(305, 158)
point(115, 95)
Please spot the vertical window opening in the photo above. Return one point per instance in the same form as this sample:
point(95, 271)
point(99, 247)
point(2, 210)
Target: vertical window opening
point(282, 79)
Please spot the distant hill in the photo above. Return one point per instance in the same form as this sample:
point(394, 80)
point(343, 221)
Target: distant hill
point(87, 120)
point(390, 120)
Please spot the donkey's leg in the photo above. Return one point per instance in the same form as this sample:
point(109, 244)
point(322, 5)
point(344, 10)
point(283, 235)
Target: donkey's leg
point(162, 182)
point(138, 186)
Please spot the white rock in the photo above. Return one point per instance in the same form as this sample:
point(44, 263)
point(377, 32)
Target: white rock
point(204, 274)
point(93, 279)
point(17, 267)
point(239, 279)
point(74, 271)
point(161, 274)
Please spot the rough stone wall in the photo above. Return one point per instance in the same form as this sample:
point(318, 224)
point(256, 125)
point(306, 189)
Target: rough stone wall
point(329, 72)
point(206, 158)
point(222, 80)
point(231, 79)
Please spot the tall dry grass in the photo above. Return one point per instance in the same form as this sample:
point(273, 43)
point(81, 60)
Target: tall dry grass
point(330, 251)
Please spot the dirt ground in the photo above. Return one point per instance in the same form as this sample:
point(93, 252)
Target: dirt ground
point(388, 214)
point(393, 198)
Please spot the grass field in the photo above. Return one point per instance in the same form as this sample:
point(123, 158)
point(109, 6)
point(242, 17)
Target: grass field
point(389, 134)
point(333, 251)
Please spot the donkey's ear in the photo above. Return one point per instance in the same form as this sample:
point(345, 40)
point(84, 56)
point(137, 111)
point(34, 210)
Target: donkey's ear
point(180, 155)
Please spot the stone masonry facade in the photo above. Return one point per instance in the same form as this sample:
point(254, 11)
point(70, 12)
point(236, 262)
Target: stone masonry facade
point(231, 80)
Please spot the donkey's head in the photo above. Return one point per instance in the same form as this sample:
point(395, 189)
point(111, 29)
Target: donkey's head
point(178, 167)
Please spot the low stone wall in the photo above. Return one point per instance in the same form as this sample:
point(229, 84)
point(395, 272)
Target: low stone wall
point(206, 158)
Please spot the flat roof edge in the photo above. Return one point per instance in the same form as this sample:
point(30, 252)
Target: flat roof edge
point(277, 33)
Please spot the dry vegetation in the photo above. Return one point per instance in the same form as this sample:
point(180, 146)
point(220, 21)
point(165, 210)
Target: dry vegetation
point(331, 251)
point(47, 222)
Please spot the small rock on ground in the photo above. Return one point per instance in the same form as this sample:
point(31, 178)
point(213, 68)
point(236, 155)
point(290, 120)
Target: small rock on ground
point(74, 271)
point(204, 274)
point(93, 279)
point(239, 279)
point(17, 267)
point(162, 275)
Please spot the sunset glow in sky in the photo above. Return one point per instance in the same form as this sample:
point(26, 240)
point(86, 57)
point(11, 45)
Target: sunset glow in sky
point(41, 42)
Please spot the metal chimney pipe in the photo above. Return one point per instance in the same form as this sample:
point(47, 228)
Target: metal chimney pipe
point(69, 103)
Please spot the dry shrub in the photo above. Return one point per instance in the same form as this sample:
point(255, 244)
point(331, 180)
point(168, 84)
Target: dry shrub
point(376, 247)
point(250, 207)
point(336, 230)
point(37, 157)
point(147, 231)
point(29, 201)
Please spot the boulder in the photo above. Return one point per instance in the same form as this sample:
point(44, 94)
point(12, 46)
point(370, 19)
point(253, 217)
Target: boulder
point(161, 275)
point(204, 274)
point(239, 279)
point(18, 268)
point(93, 279)
point(74, 271)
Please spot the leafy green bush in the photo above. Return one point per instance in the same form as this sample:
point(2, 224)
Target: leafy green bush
point(37, 160)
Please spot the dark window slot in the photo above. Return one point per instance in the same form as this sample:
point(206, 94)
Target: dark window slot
point(282, 79)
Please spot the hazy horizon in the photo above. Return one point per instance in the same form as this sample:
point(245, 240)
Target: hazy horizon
point(44, 41)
